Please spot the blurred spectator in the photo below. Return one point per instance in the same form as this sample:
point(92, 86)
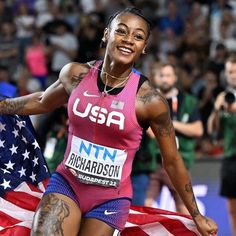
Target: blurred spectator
point(223, 118)
point(56, 12)
point(207, 95)
point(72, 14)
point(188, 126)
point(89, 37)
point(227, 30)
point(56, 139)
point(6, 12)
point(172, 58)
point(63, 47)
point(24, 82)
point(168, 43)
point(144, 164)
point(29, 3)
point(216, 13)
point(6, 87)
point(113, 6)
point(43, 16)
point(89, 6)
point(36, 61)
point(195, 36)
point(217, 58)
point(4, 74)
point(24, 21)
point(9, 47)
point(149, 8)
point(172, 19)
point(190, 70)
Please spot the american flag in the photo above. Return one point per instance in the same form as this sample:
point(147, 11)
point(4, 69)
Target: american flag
point(23, 175)
point(147, 221)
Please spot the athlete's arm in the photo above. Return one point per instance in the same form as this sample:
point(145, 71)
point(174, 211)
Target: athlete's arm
point(153, 107)
point(35, 103)
point(157, 115)
point(45, 101)
point(54, 96)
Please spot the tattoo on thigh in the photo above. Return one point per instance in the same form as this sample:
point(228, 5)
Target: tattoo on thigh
point(49, 217)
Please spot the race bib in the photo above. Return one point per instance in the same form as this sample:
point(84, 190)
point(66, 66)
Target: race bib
point(95, 164)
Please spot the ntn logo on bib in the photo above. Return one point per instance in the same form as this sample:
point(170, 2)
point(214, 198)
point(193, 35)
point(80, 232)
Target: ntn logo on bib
point(96, 162)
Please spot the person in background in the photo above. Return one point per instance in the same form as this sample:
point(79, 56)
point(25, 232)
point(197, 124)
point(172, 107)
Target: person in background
point(62, 46)
point(6, 12)
point(9, 47)
point(24, 21)
point(7, 87)
point(36, 60)
point(223, 120)
point(144, 164)
point(56, 137)
point(109, 105)
point(187, 125)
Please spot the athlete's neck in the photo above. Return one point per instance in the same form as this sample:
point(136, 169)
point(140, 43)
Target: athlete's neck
point(117, 71)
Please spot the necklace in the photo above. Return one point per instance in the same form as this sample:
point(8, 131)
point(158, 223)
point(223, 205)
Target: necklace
point(107, 74)
point(107, 91)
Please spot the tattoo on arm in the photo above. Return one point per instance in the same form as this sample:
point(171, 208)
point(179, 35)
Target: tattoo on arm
point(51, 214)
point(165, 126)
point(195, 212)
point(13, 106)
point(76, 79)
point(147, 97)
point(150, 94)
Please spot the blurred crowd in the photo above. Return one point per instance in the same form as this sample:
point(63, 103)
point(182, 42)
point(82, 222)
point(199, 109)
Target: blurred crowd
point(38, 37)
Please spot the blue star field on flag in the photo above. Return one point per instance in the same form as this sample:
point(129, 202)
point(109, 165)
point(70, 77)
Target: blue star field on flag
point(21, 158)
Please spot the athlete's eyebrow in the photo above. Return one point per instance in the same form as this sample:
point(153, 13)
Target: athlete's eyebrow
point(123, 24)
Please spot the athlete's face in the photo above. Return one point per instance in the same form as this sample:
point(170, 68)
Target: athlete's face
point(126, 38)
point(165, 78)
point(230, 72)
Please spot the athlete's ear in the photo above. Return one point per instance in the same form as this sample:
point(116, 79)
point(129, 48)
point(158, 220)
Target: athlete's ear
point(103, 43)
point(105, 35)
point(144, 50)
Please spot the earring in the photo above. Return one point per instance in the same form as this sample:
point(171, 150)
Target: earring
point(144, 51)
point(103, 43)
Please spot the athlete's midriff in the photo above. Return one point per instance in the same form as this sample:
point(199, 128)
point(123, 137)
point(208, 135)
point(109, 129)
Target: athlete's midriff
point(103, 137)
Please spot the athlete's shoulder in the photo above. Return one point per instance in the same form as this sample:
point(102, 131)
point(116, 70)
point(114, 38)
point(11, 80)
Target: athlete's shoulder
point(150, 100)
point(72, 73)
point(73, 69)
point(148, 93)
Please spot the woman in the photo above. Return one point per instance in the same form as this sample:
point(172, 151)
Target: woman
point(109, 105)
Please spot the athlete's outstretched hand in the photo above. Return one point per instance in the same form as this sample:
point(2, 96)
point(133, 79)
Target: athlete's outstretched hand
point(206, 226)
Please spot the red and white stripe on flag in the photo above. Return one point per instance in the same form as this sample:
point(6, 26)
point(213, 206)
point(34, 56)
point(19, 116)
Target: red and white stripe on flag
point(147, 221)
point(17, 209)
